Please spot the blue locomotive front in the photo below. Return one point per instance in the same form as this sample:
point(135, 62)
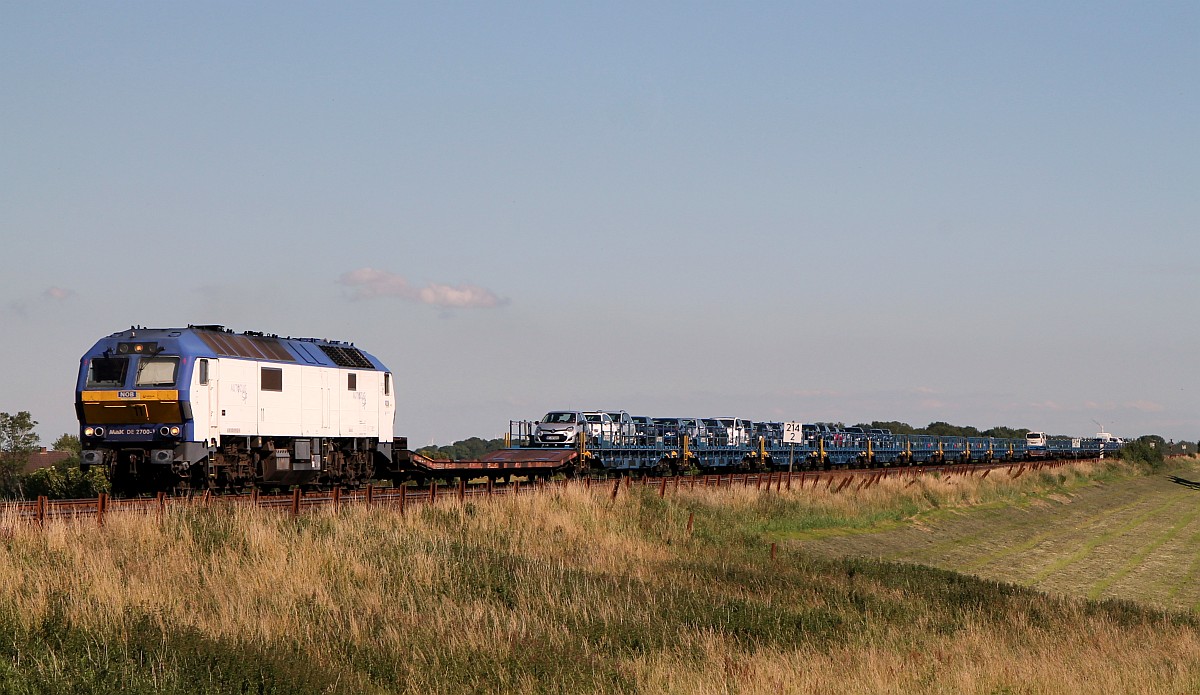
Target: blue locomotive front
point(134, 405)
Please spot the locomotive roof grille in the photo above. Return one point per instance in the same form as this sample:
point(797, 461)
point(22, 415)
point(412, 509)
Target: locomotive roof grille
point(347, 356)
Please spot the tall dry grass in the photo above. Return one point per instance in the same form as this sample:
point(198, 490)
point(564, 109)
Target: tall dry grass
point(566, 591)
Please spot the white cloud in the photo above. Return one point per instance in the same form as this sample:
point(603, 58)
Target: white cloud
point(369, 283)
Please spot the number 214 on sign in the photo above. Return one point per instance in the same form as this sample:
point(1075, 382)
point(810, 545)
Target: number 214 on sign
point(793, 433)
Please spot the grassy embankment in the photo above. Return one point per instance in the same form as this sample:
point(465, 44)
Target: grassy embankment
point(1139, 540)
point(562, 592)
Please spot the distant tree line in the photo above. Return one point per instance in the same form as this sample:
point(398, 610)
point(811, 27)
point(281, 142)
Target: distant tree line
point(945, 429)
point(1174, 448)
point(64, 480)
point(1148, 450)
point(463, 450)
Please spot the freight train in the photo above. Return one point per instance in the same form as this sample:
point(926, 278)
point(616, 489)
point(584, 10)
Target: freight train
point(204, 408)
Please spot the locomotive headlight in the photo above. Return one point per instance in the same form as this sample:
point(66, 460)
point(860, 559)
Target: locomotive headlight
point(175, 431)
point(99, 432)
point(89, 431)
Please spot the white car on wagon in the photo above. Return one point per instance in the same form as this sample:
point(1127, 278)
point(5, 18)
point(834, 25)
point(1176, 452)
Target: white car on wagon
point(560, 428)
point(600, 426)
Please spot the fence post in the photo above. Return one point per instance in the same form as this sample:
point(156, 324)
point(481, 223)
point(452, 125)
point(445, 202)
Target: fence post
point(462, 489)
point(337, 498)
point(616, 487)
point(662, 489)
point(772, 552)
point(162, 504)
point(296, 492)
point(403, 497)
point(491, 482)
point(691, 517)
point(41, 510)
point(100, 509)
point(432, 492)
point(371, 494)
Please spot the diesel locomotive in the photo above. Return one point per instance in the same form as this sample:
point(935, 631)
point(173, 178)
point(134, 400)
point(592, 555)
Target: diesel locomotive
point(202, 407)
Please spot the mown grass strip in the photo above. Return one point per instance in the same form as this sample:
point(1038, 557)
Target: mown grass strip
point(1093, 542)
point(1193, 573)
point(1138, 558)
point(973, 539)
point(1039, 538)
point(1004, 507)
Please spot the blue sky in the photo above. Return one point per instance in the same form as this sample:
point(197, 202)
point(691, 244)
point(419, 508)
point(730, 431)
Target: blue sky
point(984, 213)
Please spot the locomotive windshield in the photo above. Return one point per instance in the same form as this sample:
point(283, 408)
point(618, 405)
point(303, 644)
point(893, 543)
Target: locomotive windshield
point(107, 371)
point(156, 371)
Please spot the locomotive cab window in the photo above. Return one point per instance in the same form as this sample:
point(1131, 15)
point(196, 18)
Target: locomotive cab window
point(351, 382)
point(156, 371)
point(387, 384)
point(107, 371)
point(202, 365)
point(272, 379)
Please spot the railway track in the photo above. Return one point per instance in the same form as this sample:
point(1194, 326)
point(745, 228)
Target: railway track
point(298, 502)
